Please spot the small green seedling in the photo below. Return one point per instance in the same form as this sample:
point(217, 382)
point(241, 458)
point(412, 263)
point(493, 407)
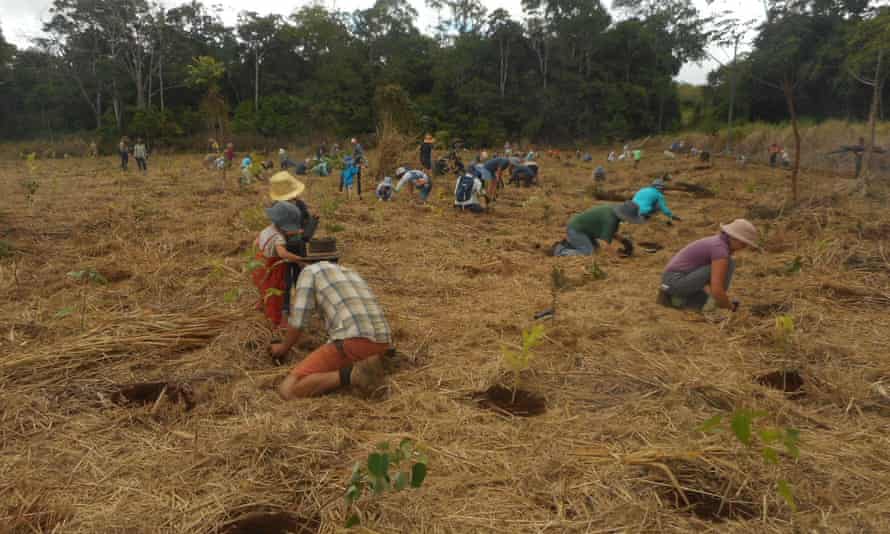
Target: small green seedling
point(86, 276)
point(742, 424)
point(231, 295)
point(596, 272)
point(383, 472)
point(793, 267)
point(64, 312)
point(520, 361)
point(784, 331)
point(30, 186)
point(334, 227)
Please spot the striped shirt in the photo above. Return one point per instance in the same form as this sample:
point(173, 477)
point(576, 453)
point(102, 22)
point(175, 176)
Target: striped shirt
point(344, 300)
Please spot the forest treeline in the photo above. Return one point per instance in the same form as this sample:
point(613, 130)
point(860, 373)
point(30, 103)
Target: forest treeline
point(569, 70)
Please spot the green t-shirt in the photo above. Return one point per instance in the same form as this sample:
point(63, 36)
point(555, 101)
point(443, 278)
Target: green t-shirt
point(599, 222)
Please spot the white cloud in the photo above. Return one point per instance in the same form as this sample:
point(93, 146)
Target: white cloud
point(21, 21)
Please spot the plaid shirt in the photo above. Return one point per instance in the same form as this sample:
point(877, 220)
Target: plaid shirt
point(345, 301)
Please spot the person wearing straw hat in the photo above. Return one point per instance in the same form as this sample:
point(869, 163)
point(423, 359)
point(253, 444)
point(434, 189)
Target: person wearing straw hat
point(651, 201)
point(586, 230)
point(358, 333)
point(426, 152)
point(698, 277)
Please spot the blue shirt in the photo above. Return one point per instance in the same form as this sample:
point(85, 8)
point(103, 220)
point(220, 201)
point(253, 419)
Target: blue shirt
point(648, 199)
point(348, 175)
point(419, 179)
point(497, 164)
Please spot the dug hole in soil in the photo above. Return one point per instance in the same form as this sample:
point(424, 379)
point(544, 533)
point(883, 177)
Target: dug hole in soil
point(500, 399)
point(708, 495)
point(272, 523)
point(148, 393)
point(789, 382)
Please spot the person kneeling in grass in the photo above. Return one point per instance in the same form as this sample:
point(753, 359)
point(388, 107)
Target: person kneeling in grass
point(600, 223)
point(358, 334)
point(699, 276)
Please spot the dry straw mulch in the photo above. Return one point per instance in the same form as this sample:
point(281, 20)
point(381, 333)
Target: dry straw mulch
point(626, 382)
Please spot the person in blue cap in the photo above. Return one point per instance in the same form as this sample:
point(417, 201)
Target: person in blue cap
point(651, 201)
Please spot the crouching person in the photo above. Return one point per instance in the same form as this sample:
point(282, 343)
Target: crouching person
point(699, 276)
point(385, 189)
point(598, 224)
point(358, 334)
point(466, 193)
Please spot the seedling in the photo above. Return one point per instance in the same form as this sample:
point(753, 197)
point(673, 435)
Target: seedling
point(30, 186)
point(87, 276)
point(382, 472)
point(6, 249)
point(231, 295)
point(768, 439)
point(784, 331)
point(517, 362)
point(334, 227)
point(793, 267)
point(595, 272)
point(558, 282)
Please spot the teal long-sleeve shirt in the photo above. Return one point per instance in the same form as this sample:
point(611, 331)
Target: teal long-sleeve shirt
point(651, 200)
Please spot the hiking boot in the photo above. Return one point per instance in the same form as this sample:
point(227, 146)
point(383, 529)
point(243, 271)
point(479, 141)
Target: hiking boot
point(367, 375)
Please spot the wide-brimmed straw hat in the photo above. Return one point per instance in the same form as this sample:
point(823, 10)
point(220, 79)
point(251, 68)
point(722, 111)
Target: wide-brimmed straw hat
point(285, 216)
point(283, 186)
point(629, 212)
point(742, 230)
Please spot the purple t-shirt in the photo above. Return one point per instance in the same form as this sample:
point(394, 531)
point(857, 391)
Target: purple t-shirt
point(699, 254)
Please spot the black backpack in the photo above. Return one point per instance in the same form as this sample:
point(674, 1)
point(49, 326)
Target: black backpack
point(464, 191)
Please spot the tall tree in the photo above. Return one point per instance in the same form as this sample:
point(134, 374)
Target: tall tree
point(782, 60)
point(869, 55)
point(257, 33)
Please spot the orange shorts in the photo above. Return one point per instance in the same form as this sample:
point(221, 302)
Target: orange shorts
point(328, 358)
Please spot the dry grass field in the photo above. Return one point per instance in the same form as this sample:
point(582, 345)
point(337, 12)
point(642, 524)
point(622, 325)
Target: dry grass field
point(626, 382)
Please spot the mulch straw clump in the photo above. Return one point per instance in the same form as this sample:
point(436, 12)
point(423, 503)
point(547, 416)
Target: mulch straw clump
point(148, 404)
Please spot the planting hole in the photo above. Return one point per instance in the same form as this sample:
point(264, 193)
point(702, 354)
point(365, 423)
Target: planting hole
point(500, 399)
point(711, 507)
point(272, 523)
point(650, 247)
point(791, 382)
point(702, 486)
point(148, 392)
point(771, 309)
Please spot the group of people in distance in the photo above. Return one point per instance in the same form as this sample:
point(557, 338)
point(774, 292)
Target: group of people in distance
point(294, 281)
point(480, 181)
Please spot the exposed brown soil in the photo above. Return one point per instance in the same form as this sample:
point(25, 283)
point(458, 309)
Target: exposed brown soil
point(500, 398)
point(273, 523)
point(790, 382)
point(149, 392)
point(769, 309)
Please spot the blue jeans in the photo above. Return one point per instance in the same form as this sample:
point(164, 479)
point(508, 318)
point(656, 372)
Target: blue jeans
point(580, 244)
point(691, 286)
point(425, 191)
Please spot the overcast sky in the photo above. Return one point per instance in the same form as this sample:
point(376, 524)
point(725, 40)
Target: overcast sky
point(21, 20)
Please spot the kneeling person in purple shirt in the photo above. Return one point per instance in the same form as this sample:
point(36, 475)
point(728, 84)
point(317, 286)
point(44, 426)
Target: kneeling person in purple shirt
point(699, 276)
